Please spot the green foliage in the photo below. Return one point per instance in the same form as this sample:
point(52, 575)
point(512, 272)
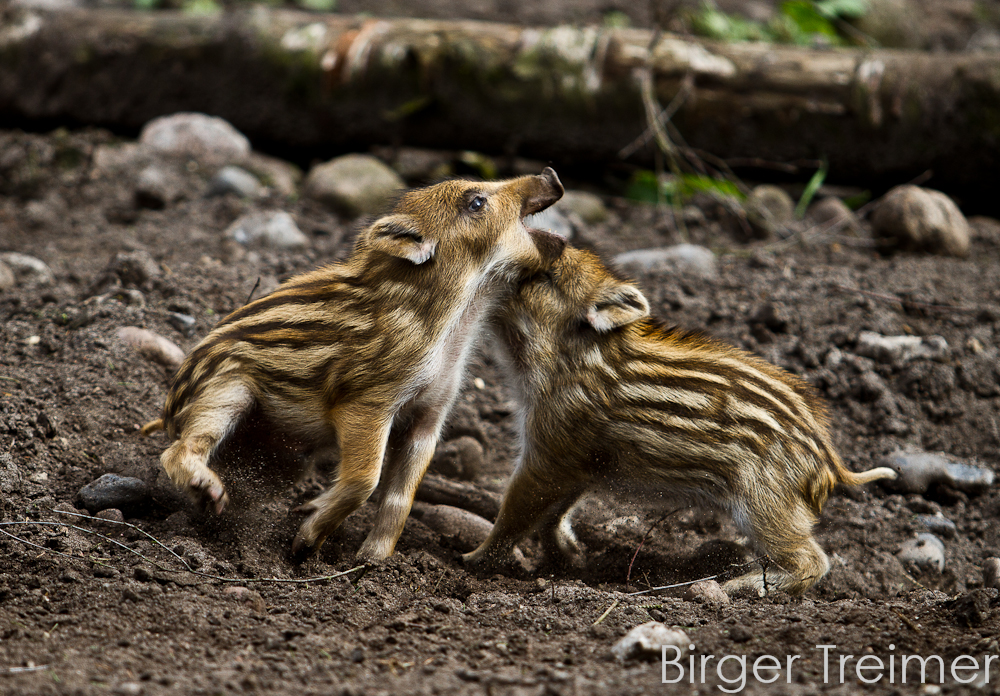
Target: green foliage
point(644, 187)
point(200, 7)
point(803, 22)
point(318, 5)
point(811, 188)
point(616, 19)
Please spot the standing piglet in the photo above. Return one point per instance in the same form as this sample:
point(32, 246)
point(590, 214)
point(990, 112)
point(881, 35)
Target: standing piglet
point(367, 354)
point(611, 400)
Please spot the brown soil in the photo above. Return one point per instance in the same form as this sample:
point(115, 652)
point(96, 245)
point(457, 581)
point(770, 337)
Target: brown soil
point(115, 613)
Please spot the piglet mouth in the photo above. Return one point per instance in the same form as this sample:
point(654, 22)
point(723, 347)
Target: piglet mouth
point(541, 192)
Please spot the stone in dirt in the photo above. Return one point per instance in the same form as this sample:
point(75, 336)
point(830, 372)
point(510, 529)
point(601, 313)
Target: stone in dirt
point(461, 459)
point(920, 219)
point(553, 220)
point(834, 213)
point(991, 572)
point(681, 258)
point(354, 185)
point(151, 346)
point(114, 491)
point(769, 211)
point(707, 592)
point(7, 278)
point(276, 229)
point(157, 186)
point(232, 179)
point(28, 269)
point(918, 471)
point(938, 524)
point(925, 551)
point(587, 206)
point(646, 641)
point(207, 139)
point(896, 350)
point(462, 528)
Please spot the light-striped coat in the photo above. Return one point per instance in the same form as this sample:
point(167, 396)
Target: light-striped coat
point(368, 353)
point(613, 400)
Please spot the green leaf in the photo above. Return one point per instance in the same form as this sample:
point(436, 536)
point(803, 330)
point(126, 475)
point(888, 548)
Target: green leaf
point(318, 5)
point(811, 188)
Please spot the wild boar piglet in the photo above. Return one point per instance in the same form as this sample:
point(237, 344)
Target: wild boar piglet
point(367, 354)
point(613, 401)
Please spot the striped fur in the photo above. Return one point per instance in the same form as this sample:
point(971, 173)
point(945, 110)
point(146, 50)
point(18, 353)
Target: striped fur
point(612, 399)
point(368, 353)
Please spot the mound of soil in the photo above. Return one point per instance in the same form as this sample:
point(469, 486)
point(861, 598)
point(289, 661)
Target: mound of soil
point(181, 602)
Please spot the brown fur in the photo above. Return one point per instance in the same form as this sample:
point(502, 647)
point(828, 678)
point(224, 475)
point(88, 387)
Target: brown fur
point(367, 354)
point(612, 399)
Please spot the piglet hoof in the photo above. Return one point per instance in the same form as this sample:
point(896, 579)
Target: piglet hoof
point(302, 549)
point(209, 493)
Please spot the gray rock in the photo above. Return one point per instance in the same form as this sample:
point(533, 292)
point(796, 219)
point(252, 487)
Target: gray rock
point(991, 572)
point(461, 459)
point(925, 551)
point(275, 229)
point(681, 258)
point(920, 219)
point(769, 210)
point(114, 491)
point(127, 269)
point(706, 592)
point(45, 213)
point(918, 471)
point(27, 269)
point(184, 323)
point(7, 277)
point(156, 187)
point(587, 206)
point(207, 139)
point(938, 524)
point(354, 185)
point(834, 213)
point(232, 179)
point(647, 641)
point(10, 474)
point(553, 220)
point(284, 177)
point(896, 350)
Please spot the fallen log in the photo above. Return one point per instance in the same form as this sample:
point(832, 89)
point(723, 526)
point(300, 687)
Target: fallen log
point(565, 94)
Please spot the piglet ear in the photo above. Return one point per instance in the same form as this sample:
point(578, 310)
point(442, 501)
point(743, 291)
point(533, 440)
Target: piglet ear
point(617, 305)
point(400, 236)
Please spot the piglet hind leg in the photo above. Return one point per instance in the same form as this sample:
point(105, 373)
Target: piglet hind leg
point(794, 563)
point(363, 435)
point(530, 501)
point(206, 423)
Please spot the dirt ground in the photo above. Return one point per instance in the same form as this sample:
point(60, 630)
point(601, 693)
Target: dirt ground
point(117, 613)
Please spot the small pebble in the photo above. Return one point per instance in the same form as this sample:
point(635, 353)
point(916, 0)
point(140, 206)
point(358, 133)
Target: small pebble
point(354, 185)
point(462, 528)
point(920, 219)
point(184, 323)
point(129, 689)
point(28, 269)
point(707, 592)
point(207, 139)
point(681, 258)
point(276, 229)
point(925, 551)
point(587, 206)
point(833, 213)
point(247, 596)
point(769, 210)
point(647, 641)
point(553, 220)
point(991, 572)
point(236, 180)
point(156, 187)
point(113, 491)
point(460, 459)
point(7, 277)
point(151, 346)
point(111, 515)
point(938, 524)
point(918, 471)
point(896, 350)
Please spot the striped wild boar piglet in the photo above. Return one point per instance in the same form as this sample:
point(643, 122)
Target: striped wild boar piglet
point(367, 354)
point(611, 400)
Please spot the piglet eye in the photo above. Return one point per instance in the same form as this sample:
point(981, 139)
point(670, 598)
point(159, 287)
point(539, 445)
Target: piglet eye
point(477, 203)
